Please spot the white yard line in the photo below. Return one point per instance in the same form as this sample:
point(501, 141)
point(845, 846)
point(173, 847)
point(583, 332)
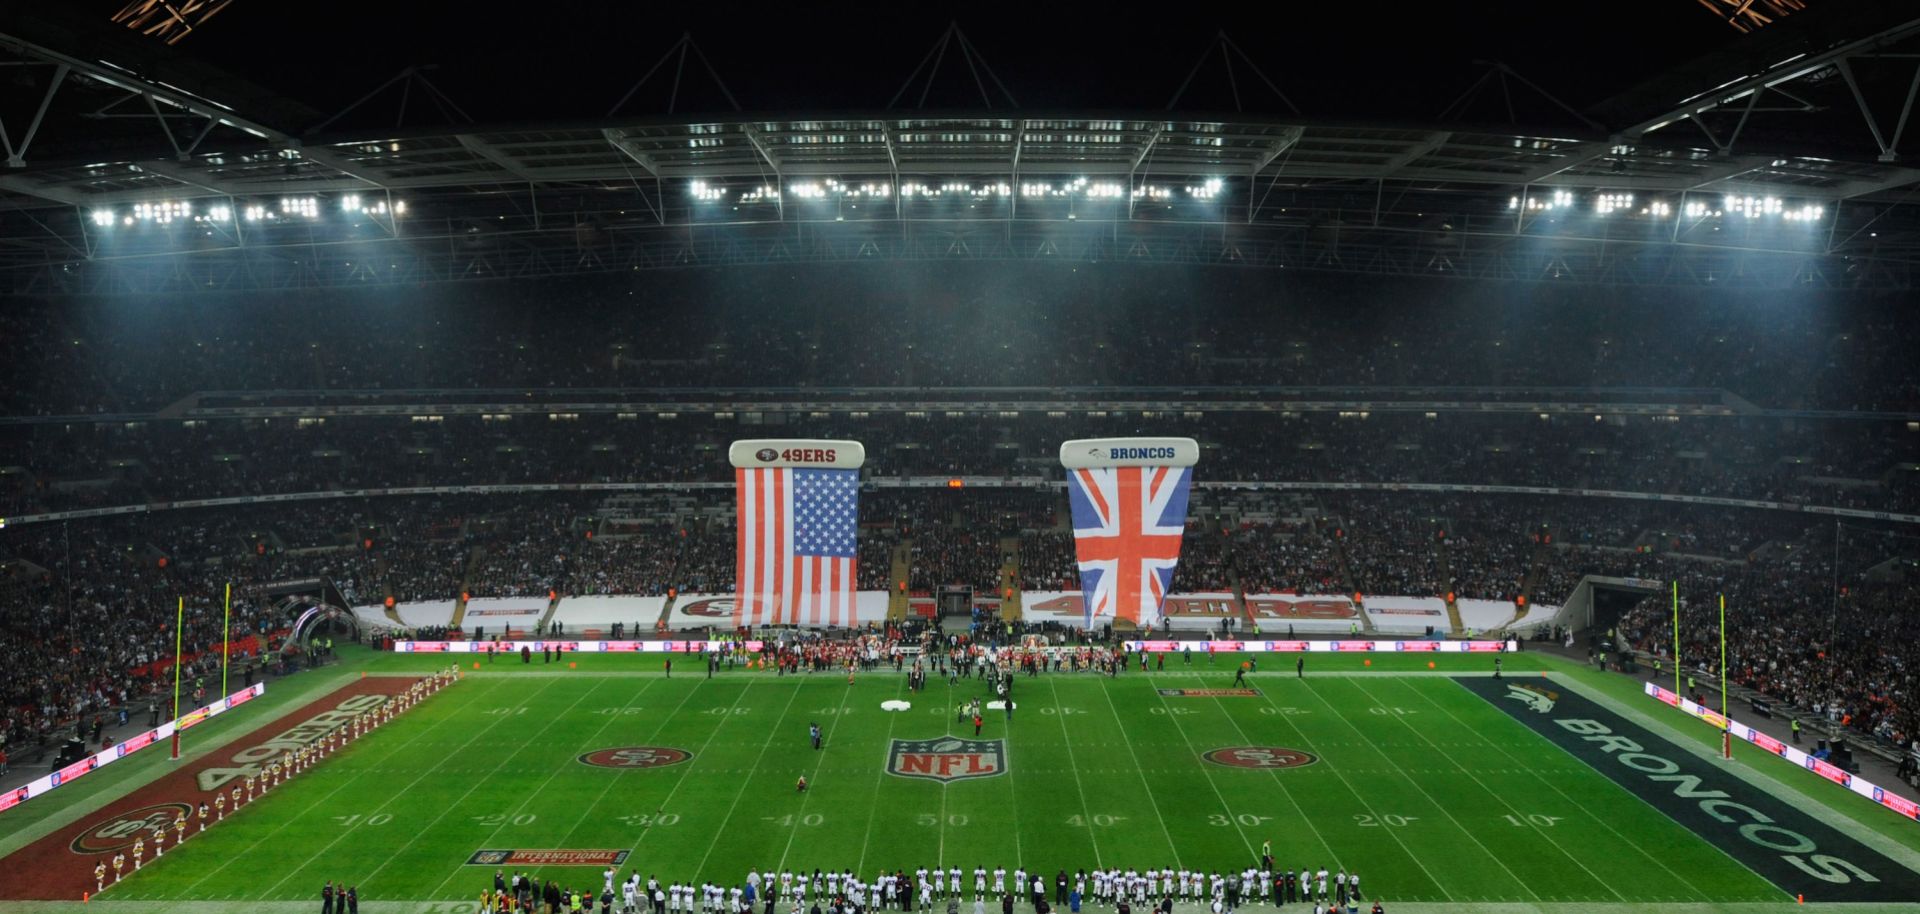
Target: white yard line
point(1281, 782)
point(1357, 795)
point(940, 852)
point(1500, 798)
point(742, 791)
point(528, 798)
point(879, 775)
point(687, 774)
point(1895, 851)
point(1155, 806)
point(1596, 817)
point(1253, 849)
point(1423, 792)
point(396, 748)
point(820, 760)
point(1085, 810)
point(477, 782)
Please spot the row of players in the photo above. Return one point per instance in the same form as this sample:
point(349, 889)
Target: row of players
point(889, 890)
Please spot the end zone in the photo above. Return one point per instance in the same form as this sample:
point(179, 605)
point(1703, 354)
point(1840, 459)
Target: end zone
point(59, 866)
point(1798, 853)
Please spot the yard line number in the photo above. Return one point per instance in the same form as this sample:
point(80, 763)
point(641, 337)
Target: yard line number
point(378, 818)
point(1532, 819)
point(1387, 819)
point(1245, 819)
point(500, 819)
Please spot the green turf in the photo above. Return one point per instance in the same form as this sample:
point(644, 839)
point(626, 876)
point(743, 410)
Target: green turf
point(1424, 788)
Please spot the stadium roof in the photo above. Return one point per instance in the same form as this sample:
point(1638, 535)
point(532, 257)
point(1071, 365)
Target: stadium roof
point(189, 143)
point(985, 145)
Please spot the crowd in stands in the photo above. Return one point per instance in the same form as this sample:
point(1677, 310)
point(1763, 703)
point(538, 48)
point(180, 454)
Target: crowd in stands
point(1047, 561)
point(86, 606)
point(961, 325)
point(1298, 555)
point(1845, 645)
point(87, 618)
point(1206, 562)
point(86, 601)
point(1842, 463)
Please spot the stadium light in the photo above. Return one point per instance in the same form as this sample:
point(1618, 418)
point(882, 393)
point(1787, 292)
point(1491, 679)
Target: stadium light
point(1207, 190)
point(1607, 204)
point(300, 206)
point(103, 217)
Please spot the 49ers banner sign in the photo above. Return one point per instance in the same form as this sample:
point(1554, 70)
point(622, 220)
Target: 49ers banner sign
point(1129, 501)
point(798, 513)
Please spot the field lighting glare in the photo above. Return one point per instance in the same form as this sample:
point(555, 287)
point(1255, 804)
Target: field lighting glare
point(1206, 191)
point(103, 217)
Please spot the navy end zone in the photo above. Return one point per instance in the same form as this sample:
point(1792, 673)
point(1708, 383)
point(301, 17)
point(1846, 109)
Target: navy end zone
point(1787, 846)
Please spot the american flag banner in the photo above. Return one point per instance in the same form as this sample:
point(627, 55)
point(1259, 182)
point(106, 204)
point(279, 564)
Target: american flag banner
point(797, 527)
point(1127, 522)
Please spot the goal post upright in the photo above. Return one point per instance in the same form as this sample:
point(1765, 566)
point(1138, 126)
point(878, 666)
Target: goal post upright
point(179, 620)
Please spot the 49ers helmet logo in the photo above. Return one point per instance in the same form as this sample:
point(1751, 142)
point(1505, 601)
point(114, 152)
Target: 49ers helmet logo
point(716, 608)
point(636, 757)
point(122, 830)
point(766, 455)
point(1260, 757)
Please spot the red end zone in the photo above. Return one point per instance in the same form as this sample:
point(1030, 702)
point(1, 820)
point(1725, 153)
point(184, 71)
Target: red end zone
point(60, 865)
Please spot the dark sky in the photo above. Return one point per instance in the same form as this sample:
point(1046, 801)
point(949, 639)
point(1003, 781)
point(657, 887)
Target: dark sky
point(552, 61)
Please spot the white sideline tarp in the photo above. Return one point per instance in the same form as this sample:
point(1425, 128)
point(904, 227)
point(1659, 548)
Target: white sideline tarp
point(699, 610)
point(428, 612)
point(598, 613)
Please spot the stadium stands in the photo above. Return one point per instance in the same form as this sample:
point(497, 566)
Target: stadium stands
point(165, 401)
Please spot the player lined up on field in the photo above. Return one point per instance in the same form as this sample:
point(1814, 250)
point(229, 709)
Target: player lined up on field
point(819, 892)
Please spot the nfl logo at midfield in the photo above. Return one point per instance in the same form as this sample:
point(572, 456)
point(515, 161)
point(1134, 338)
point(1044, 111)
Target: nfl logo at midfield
point(947, 758)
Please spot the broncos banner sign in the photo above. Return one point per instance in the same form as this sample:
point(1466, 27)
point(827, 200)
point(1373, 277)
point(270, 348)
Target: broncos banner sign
point(1129, 501)
point(798, 516)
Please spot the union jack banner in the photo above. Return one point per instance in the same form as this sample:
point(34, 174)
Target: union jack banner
point(1127, 522)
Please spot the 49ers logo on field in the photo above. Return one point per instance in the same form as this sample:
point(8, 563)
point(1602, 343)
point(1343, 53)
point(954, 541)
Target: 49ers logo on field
point(1260, 757)
point(122, 830)
point(636, 757)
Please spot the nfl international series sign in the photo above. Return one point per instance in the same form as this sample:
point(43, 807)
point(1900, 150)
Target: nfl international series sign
point(1129, 501)
point(516, 858)
point(798, 511)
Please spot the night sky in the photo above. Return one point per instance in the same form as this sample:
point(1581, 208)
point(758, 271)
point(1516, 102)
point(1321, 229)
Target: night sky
point(557, 61)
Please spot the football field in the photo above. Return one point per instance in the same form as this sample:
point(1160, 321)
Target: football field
point(1432, 787)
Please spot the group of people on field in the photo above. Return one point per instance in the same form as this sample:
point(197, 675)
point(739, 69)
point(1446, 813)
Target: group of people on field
point(933, 889)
